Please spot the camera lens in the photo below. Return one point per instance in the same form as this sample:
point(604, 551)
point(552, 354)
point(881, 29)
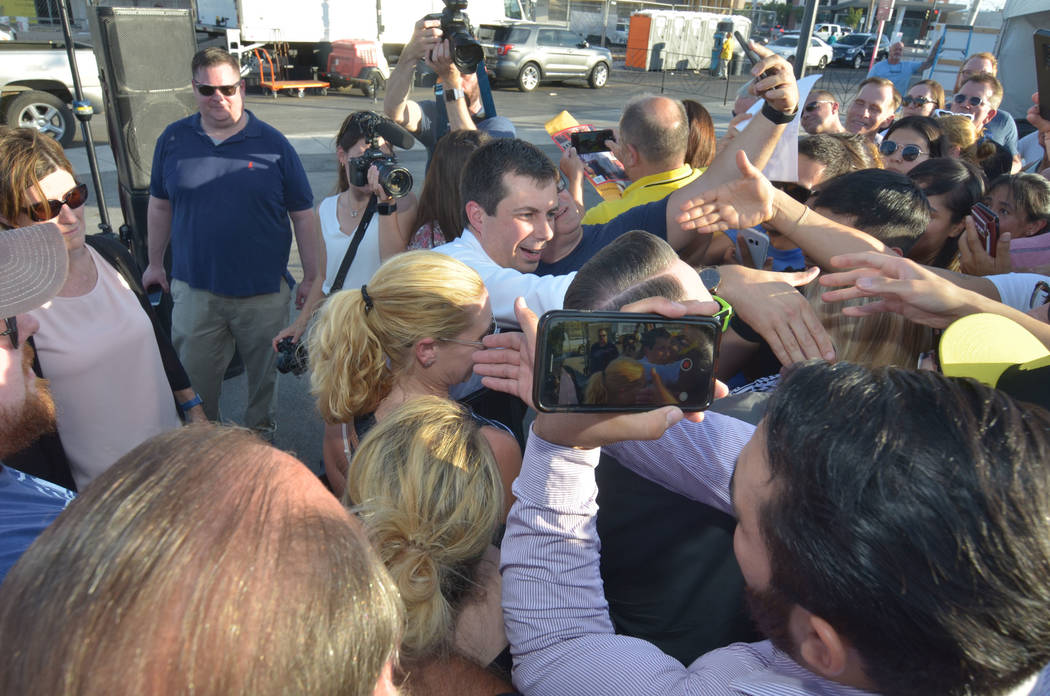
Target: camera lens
point(466, 52)
point(396, 181)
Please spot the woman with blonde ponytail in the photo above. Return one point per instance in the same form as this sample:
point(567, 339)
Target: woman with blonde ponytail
point(427, 488)
point(409, 332)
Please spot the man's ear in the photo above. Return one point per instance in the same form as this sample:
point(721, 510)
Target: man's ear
point(989, 117)
point(834, 107)
point(822, 648)
point(897, 250)
point(475, 215)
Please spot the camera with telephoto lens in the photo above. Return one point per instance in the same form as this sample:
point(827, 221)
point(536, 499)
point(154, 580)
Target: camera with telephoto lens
point(395, 179)
point(291, 357)
point(455, 26)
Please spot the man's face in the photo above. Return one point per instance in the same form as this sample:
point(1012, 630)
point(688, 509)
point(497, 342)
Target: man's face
point(522, 224)
point(820, 115)
point(919, 92)
point(26, 408)
point(973, 67)
point(750, 488)
point(659, 353)
point(983, 111)
point(871, 111)
point(219, 110)
point(896, 51)
point(603, 337)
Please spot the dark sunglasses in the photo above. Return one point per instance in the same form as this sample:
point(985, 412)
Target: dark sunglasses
point(46, 210)
point(208, 90)
point(813, 104)
point(909, 153)
point(974, 101)
point(917, 101)
point(12, 331)
point(797, 191)
point(493, 329)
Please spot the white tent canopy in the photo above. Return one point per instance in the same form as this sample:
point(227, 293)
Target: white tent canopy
point(1016, 54)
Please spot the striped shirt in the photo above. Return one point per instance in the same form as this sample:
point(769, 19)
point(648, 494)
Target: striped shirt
point(554, 607)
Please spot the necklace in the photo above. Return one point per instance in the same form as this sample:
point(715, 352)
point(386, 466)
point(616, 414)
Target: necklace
point(349, 203)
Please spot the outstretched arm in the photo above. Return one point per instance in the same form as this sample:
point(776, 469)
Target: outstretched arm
point(396, 103)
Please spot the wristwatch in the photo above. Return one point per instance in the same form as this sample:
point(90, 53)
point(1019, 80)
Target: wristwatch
point(453, 94)
point(710, 277)
point(387, 208)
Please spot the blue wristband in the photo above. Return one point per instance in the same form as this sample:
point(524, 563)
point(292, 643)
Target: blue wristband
point(195, 401)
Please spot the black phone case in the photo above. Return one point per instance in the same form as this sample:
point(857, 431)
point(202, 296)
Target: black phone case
point(1041, 38)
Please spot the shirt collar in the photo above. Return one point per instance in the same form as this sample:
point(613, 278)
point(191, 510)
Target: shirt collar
point(660, 178)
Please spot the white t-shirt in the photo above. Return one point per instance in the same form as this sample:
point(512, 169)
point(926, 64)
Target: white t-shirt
point(541, 293)
point(1015, 289)
point(100, 355)
point(337, 241)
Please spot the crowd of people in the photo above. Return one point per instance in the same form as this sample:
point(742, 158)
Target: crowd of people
point(864, 509)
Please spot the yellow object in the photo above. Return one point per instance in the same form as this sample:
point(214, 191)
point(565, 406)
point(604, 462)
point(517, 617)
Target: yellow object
point(727, 47)
point(645, 190)
point(608, 190)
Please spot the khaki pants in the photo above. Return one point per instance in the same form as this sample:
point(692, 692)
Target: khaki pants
point(206, 327)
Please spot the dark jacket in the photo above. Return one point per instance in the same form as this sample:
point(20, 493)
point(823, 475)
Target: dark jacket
point(46, 458)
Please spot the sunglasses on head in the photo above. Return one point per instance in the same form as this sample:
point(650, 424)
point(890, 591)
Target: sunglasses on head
point(917, 101)
point(813, 104)
point(962, 99)
point(46, 210)
point(909, 153)
point(208, 90)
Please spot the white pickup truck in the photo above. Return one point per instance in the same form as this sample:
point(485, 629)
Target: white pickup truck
point(36, 86)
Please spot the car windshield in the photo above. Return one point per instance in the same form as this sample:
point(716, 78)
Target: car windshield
point(852, 39)
point(791, 41)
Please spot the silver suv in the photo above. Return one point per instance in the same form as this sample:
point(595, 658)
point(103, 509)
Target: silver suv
point(532, 53)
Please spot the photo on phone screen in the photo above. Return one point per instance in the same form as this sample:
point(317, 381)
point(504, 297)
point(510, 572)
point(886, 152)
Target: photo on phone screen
point(1042, 70)
point(589, 142)
point(618, 361)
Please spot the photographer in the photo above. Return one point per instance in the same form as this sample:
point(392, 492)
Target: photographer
point(462, 94)
point(380, 207)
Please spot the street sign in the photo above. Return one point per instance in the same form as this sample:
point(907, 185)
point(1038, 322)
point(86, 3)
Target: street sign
point(884, 11)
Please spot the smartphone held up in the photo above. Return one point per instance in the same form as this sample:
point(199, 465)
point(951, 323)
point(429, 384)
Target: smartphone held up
point(619, 361)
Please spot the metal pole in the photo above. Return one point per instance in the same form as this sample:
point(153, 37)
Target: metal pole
point(809, 18)
point(83, 111)
point(605, 20)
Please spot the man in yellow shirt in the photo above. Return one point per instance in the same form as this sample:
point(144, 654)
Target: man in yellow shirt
point(726, 56)
point(654, 133)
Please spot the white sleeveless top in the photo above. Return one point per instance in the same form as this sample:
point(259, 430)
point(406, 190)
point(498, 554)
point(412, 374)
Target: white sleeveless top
point(337, 241)
point(100, 355)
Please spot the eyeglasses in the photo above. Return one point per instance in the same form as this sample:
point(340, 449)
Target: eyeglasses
point(944, 113)
point(46, 210)
point(813, 104)
point(208, 90)
point(962, 99)
point(917, 101)
point(12, 331)
point(725, 314)
point(493, 329)
point(909, 153)
point(1040, 296)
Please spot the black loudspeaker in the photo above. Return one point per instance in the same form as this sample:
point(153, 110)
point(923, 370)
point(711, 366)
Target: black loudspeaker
point(143, 60)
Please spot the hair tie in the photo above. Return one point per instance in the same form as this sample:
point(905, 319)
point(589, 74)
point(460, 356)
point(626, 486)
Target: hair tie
point(368, 300)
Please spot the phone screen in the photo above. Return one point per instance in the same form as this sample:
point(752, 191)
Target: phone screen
point(614, 361)
point(589, 142)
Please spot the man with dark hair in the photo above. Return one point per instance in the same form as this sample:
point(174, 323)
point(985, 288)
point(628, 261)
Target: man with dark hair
point(887, 205)
point(205, 562)
point(223, 187)
point(653, 139)
point(827, 155)
point(884, 526)
point(873, 108)
point(33, 262)
point(512, 203)
point(821, 113)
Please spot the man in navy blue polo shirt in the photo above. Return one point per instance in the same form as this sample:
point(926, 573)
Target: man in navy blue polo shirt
point(224, 185)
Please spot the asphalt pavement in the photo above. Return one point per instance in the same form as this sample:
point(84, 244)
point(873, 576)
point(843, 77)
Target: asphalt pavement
point(311, 122)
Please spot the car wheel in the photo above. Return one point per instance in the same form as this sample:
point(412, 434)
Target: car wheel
point(44, 112)
point(528, 77)
point(858, 60)
point(599, 76)
point(822, 63)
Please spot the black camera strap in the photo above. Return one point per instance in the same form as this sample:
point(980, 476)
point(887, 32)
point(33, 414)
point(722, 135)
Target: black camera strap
point(351, 251)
